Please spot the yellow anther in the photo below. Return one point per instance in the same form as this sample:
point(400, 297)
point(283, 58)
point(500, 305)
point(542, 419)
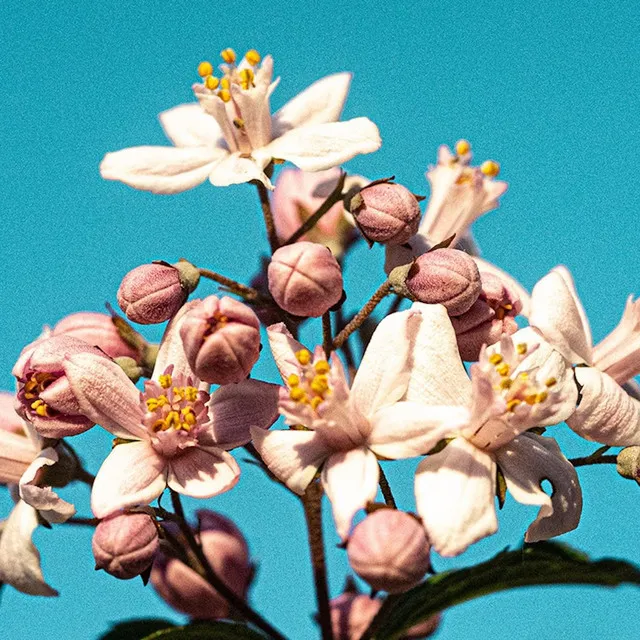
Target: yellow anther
point(41, 408)
point(495, 358)
point(549, 382)
point(165, 381)
point(211, 82)
point(523, 375)
point(225, 83)
point(252, 57)
point(322, 366)
point(159, 425)
point(506, 383)
point(303, 356)
point(297, 394)
point(320, 384)
point(238, 123)
point(508, 307)
point(521, 348)
point(247, 75)
point(188, 416)
point(228, 55)
point(542, 396)
point(462, 147)
point(173, 420)
point(224, 95)
point(293, 380)
point(503, 369)
point(205, 69)
point(512, 404)
point(316, 401)
point(490, 168)
point(191, 394)
point(532, 398)
point(152, 404)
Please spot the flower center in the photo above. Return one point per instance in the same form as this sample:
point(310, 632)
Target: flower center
point(311, 384)
point(241, 75)
point(489, 168)
point(31, 391)
point(178, 408)
point(217, 321)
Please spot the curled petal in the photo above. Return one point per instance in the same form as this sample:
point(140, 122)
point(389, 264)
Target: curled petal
point(512, 284)
point(235, 169)
point(203, 472)
point(284, 347)
point(16, 454)
point(188, 125)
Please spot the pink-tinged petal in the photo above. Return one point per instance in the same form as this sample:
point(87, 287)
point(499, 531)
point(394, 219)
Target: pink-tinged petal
point(236, 169)
point(133, 474)
point(253, 104)
point(606, 413)
point(321, 146)
point(319, 103)
point(188, 125)
point(235, 408)
point(525, 463)
point(162, 170)
point(350, 480)
point(557, 312)
point(284, 347)
point(455, 493)
point(50, 506)
point(409, 429)
point(487, 267)
point(17, 452)
point(203, 473)
point(9, 419)
point(19, 558)
point(292, 456)
point(106, 395)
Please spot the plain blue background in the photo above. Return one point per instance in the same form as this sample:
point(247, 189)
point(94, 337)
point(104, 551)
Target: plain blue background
point(548, 89)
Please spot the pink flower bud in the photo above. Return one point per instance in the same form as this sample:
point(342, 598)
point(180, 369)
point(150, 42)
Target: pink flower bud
point(9, 419)
point(389, 550)
point(185, 590)
point(45, 397)
point(153, 293)
point(125, 544)
point(447, 277)
point(386, 212)
point(305, 279)
point(221, 339)
point(98, 330)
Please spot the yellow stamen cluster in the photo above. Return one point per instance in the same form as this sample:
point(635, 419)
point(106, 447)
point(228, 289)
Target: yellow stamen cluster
point(312, 386)
point(243, 77)
point(490, 168)
point(217, 321)
point(173, 415)
point(36, 384)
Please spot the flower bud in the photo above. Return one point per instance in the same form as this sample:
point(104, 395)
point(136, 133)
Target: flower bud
point(185, 590)
point(386, 212)
point(305, 279)
point(125, 544)
point(221, 339)
point(447, 277)
point(153, 293)
point(389, 550)
point(628, 463)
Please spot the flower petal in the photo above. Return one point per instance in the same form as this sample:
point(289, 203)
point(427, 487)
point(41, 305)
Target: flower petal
point(606, 414)
point(235, 169)
point(350, 480)
point(188, 125)
point(528, 460)
point(557, 312)
point(133, 474)
point(320, 102)
point(163, 170)
point(284, 347)
point(321, 146)
point(455, 492)
point(16, 454)
point(203, 473)
point(19, 558)
point(485, 266)
point(292, 456)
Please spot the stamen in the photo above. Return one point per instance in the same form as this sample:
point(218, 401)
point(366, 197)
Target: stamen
point(191, 394)
point(490, 168)
point(252, 57)
point(521, 348)
point(322, 366)
point(316, 402)
point(228, 55)
point(506, 383)
point(211, 82)
point(512, 404)
point(293, 380)
point(503, 369)
point(320, 384)
point(165, 381)
point(462, 147)
point(297, 394)
point(550, 382)
point(303, 356)
point(205, 69)
point(495, 358)
point(224, 95)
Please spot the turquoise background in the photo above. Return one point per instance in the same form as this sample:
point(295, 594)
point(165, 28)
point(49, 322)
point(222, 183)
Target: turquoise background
point(549, 89)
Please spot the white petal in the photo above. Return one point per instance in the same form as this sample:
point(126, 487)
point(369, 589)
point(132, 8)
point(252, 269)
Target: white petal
point(16, 454)
point(188, 125)
point(253, 104)
point(606, 414)
point(557, 312)
point(235, 169)
point(163, 170)
point(350, 480)
point(321, 146)
point(318, 103)
point(487, 267)
point(455, 493)
point(525, 463)
point(203, 473)
point(283, 347)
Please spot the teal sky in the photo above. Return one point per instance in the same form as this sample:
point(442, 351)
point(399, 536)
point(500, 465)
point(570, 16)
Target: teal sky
point(548, 89)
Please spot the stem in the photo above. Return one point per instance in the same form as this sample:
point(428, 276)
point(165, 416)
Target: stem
point(86, 522)
point(311, 222)
point(267, 214)
point(312, 503)
point(588, 460)
point(362, 315)
point(327, 342)
point(82, 475)
point(242, 290)
point(214, 580)
point(385, 487)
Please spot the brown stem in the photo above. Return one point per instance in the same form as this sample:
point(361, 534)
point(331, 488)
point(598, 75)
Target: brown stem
point(312, 220)
point(86, 522)
point(362, 315)
point(312, 503)
point(267, 214)
point(385, 487)
point(242, 290)
point(327, 342)
point(588, 460)
point(214, 580)
point(82, 475)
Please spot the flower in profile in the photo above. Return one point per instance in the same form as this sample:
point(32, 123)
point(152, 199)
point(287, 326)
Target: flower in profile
point(231, 136)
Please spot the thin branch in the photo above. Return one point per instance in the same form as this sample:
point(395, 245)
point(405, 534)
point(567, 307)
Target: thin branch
point(267, 214)
point(82, 475)
point(588, 460)
point(248, 293)
point(85, 522)
point(327, 341)
point(385, 487)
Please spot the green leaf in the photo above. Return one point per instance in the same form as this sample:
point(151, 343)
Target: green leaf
point(206, 631)
point(543, 563)
point(134, 629)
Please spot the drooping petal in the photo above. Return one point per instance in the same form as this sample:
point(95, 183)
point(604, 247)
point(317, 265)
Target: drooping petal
point(133, 474)
point(455, 493)
point(350, 480)
point(409, 429)
point(16, 454)
point(203, 472)
point(557, 312)
point(19, 558)
point(48, 503)
point(319, 103)
point(321, 146)
point(188, 125)
point(106, 395)
point(606, 414)
point(484, 266)
point(236, 169)
point(525, 463)
point(162, 170)
point(284, 347)
point(292, 456)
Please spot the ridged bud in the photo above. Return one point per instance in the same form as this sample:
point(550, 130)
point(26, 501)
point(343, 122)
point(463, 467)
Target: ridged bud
point(305, 279)
point(628, 463)
point(221, 339)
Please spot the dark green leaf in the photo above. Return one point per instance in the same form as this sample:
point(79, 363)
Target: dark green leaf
point(135, 629)
point(544, 563)
point(207, 631)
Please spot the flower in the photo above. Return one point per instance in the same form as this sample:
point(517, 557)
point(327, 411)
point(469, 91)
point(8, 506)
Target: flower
point(174, 434)
point(230, 137)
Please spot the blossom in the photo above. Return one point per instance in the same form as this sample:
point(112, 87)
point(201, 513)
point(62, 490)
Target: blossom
point(174, 434)
point(231, 136)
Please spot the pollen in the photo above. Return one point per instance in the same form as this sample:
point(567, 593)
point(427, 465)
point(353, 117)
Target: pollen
point(225, 83)
point(297, 394)
point(506, 383)
point(205, 69)
point(293, 380)
point(165, 381)
point(246, 78)
point(322, 366)
point(228, 55)
point(320, 384)
point(224, 95)
point(41, 408)
point(462, 147)
point(211, 82)
point(495, 358)
point(503, 369)
point(521, 348)
point(252, 57)
point(490, 168)
point(549, 382)
point(303, 356)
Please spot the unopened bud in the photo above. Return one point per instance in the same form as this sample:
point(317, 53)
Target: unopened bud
point(130, 367)
point(628, 463)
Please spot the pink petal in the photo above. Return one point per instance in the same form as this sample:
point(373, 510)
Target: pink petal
point(487, 267)
point(188, 125)
point(133, 474)
point(203, 473)
point(17, 452)
point(283, 347)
